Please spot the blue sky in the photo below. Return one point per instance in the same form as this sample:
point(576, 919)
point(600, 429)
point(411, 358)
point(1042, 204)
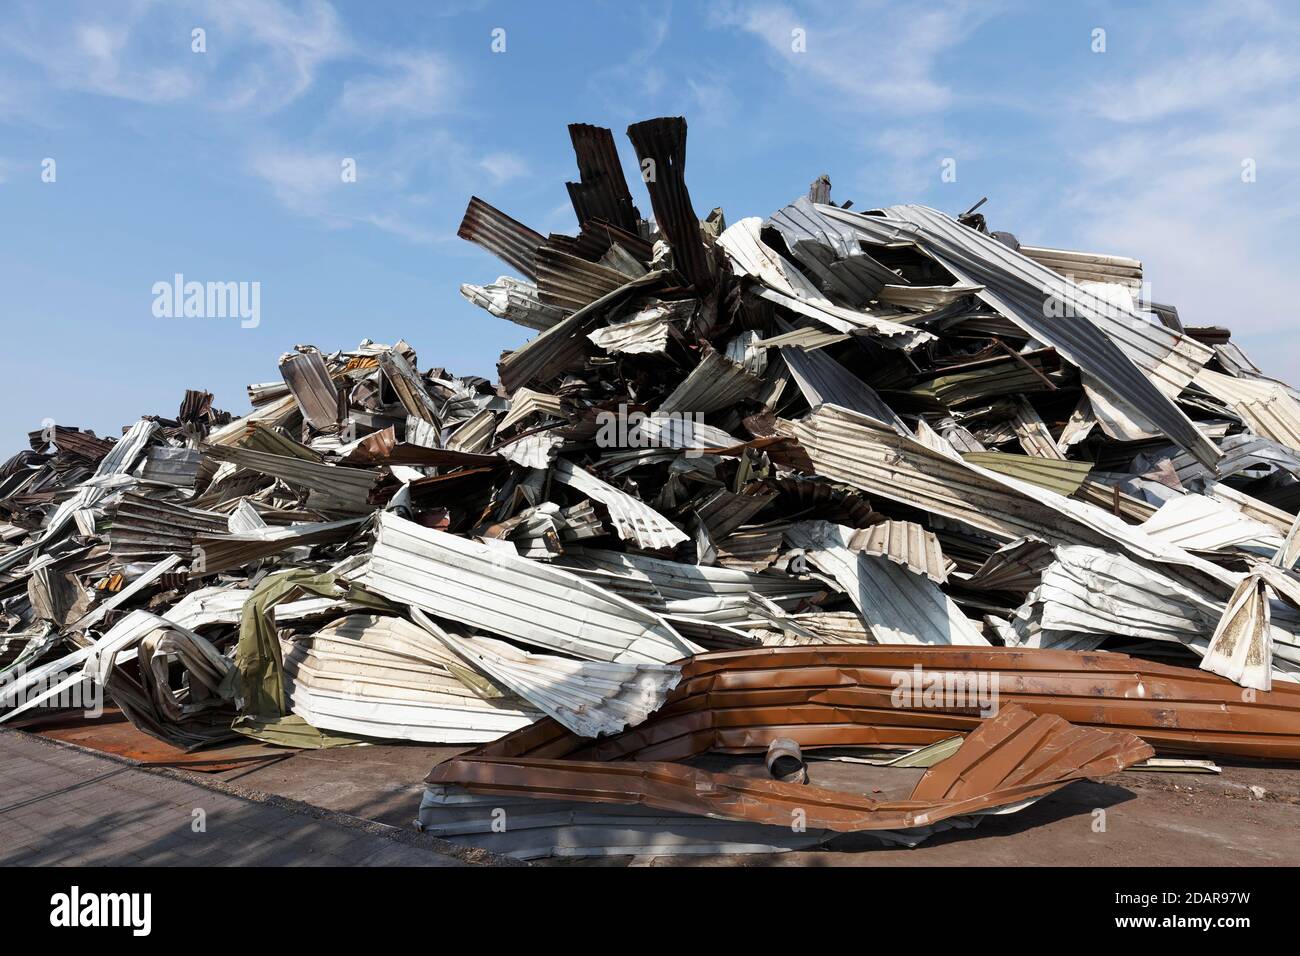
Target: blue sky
point(225, 165)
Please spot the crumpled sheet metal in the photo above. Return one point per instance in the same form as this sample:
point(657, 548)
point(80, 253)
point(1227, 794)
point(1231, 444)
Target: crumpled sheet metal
point(855, 449)
point(635, 520)
point(1011, 758)
point(513, 597)
point(588, 697)
point(386, 678)
point(1140, 362)
point(899, 605)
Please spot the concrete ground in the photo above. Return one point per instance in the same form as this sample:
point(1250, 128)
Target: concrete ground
point(1150, 819)
point(1129, 819)
point(61, 805)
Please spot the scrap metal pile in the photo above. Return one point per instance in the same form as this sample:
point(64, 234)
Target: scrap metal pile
point(881, 485)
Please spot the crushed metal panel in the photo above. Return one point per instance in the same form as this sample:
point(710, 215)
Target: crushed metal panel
point(601, 192)
point(660, 146)
point(522, 600)
point(716, 383)
point(588, 697)
point(337, 488)
point(1266, 406)
point(178, 467)
point(899, 605)
point(515, 301)
point(1143, 364)
point(1241, 648)
point(634, 520)
point(1032, 432)
point(787, 286)
point(569, 283)
point(386, 678)
point(823, 380)
point(852, 448)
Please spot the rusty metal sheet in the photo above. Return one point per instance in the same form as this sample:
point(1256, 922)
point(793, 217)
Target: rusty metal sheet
point(836, 696)
point(602, 191)
point(507, 239)
point(1011, 758)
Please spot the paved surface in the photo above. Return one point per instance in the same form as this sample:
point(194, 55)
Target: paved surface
point(65, 806)
point(62, 805)
point(1151, 819)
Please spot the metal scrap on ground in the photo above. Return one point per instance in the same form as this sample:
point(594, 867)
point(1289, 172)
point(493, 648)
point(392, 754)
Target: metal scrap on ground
point(845, 478)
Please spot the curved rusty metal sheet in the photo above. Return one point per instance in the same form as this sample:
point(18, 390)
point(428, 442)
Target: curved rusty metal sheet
point(1011, 758)
point(835, 696)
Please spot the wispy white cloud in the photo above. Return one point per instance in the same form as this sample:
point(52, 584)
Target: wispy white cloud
point(503, 167)
point(275, 50)
point(878, 54)
point(1183, 85)
point(411, 85)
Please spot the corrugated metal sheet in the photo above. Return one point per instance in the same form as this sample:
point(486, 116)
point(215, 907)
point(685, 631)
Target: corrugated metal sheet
point(925, 298)
point(788, 287)
point(144, 526)
point(217, 552)
point(408, 386)
point(1032, 431)
point(527, 402)
point(1017, 566)
point(905, 543)
point(564, 346)
point(722, 594)
point(1240, 452)
point(171, 466)
point(663, 142)
point(899, 606)
point(309, 381)
point(990, 378)
point(1111, 499)
point(724, 511)
point(567, 282)
point(751, 549)
point(714, 384)
point(1088, 266)
point(1143, 364)
point(1009, 759)
point(634, 520)
point(1268, 408)
point(831, 253)
point(852, 448)
point(601, 192)
point(738, 701)
point(647, 332)
point(515, 598)
point(474, 435)
point(509, 240)
point(823, 380)
point(386, 678)
point(588, 697)
point(532, 451)
point(1241, 648)
point(333, 488)
point(1203, 524)
point(1088, 590)
point(1055, 474)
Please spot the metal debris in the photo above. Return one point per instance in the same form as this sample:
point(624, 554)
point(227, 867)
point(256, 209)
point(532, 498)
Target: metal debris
point(742, 482)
